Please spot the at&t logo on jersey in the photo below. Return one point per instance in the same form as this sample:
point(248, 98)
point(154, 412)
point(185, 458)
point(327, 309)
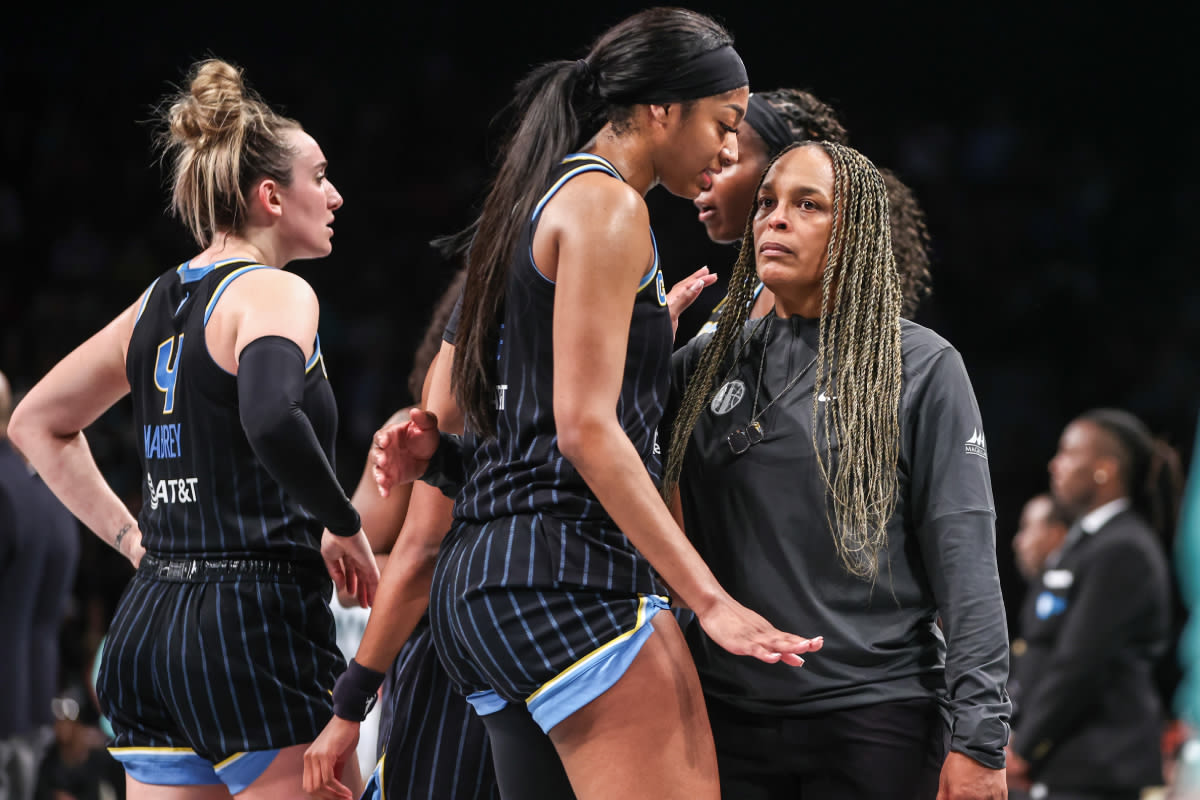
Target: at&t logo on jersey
point(171, 490)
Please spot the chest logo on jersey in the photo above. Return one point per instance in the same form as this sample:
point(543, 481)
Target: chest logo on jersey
point(728, 397)
point(660, 288)
point(171, 490)
point(162, 441)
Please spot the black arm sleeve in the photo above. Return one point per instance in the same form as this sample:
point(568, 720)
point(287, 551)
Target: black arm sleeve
point(270, 383)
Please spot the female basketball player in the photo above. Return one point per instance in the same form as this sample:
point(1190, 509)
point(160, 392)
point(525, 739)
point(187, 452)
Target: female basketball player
point(544, 604)
point(221, 656)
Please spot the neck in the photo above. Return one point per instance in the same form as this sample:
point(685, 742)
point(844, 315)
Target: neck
point(807, 305)
point(1104, 498)
point(252, 246)
point(629, 154)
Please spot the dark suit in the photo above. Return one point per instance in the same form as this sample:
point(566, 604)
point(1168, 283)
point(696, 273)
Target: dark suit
point(1090, 716)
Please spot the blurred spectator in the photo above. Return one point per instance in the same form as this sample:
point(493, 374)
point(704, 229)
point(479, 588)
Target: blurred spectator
point(1040, 534)
point(1090, 714)
point(39, 552)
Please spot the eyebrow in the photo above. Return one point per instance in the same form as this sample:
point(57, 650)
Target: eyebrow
point(741, 112)
point(768, 186)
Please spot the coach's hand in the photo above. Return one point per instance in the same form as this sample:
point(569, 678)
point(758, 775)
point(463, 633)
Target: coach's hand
point(684, 293)
point(964, 778)
point(327, 756)
point(401, 451)
point(352, 565)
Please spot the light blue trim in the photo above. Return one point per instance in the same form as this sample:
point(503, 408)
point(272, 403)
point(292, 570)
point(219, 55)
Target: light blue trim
point(145, 298)
point(591, 677)
point(189, 274)
point(589, 165)
point(316, 356)
point(239, 771)
point(170, 767)
point(228, 279)
point(486, 702)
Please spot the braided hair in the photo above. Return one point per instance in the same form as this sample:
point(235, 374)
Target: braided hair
point(858, 361)
point(809, 118)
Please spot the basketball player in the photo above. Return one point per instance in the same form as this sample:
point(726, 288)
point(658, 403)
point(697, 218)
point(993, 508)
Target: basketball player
point(221, 657)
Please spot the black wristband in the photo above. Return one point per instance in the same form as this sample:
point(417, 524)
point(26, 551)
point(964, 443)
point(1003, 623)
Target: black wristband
point(446, 470)
point(356, 691)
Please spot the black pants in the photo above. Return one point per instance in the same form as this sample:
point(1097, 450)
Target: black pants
point(527, 765)
point(889, 751)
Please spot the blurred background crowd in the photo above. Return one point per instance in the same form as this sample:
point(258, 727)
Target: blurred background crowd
point(1052, 151)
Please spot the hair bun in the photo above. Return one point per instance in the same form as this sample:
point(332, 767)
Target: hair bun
point(212, 107)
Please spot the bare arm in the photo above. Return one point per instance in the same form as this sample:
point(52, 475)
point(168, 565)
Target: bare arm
point(48, 426)
point(403, 594)
point(598, 267)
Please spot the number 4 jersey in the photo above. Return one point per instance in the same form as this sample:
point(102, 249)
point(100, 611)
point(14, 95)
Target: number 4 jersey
point(204, 492)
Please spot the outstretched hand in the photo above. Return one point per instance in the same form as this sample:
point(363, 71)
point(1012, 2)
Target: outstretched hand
point(746, 633)
point(401, 451)
point(684, 293)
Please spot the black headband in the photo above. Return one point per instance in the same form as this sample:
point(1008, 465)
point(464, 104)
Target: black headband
point(770, 125)
point(714, 72)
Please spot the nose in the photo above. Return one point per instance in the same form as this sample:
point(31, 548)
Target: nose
point(335, 197)
point(776, 219)
point(729, 152)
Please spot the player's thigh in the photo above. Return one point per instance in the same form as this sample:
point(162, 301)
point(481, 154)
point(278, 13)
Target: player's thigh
point(136, 790)
point(647, 736)
point(283, 779)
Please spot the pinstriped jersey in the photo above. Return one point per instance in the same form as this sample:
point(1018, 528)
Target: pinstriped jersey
point(522, 471)
point(203, 489)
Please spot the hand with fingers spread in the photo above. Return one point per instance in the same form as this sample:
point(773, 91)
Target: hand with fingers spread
point(327, 756)
point(352, 565)
point(684, 293)
point(746, 633)
point(401, 451)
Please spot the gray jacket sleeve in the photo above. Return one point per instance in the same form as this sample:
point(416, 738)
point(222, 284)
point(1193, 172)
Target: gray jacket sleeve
point(954, 518)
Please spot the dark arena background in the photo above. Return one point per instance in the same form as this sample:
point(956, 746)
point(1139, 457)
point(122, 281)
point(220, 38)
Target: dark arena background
point(1054, 151)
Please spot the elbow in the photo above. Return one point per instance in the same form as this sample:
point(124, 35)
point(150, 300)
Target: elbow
point(578, 436)
point(21, 429)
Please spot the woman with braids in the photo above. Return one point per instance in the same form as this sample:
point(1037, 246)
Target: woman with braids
point(831, 469)
point(221, 657)
point(775, 120)
point(544, 602)
point(1091, 715)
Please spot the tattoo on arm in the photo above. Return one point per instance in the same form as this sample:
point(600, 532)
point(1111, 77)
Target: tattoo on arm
point(121, 535)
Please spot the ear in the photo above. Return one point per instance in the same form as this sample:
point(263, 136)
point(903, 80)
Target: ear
point(265, 199)
point(661, 114)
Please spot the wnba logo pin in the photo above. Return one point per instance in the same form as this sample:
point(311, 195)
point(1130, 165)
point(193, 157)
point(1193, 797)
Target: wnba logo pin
point(727, 397)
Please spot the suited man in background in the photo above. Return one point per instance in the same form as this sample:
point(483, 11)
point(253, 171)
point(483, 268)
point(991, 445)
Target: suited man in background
point(1091, 713)
point(39, 554)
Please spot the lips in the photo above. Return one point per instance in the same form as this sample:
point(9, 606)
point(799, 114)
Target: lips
point(774, 249)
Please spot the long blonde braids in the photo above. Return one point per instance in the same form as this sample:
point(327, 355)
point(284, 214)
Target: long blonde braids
point(858, 363)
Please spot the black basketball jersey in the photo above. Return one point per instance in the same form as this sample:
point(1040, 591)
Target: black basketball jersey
point(203, 490)
point(521, 470)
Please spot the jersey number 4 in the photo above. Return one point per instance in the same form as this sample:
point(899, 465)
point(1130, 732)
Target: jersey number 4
point(166, 370)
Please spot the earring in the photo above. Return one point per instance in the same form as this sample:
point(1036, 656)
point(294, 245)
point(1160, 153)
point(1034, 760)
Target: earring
point(1100, 476)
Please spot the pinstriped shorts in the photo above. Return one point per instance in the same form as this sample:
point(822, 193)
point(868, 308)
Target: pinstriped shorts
point(556, 646)
point(434, 745)
point(220, 666)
